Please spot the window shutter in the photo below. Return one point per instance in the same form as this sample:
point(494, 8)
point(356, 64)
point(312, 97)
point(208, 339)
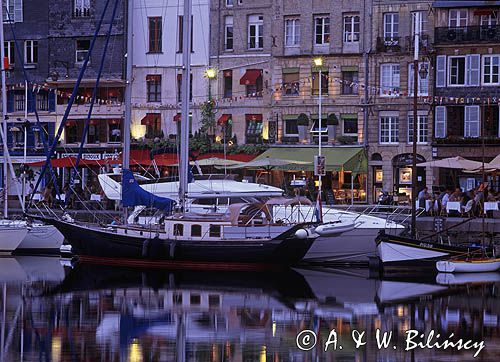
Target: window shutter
point(440, 122)
point(471, 128)
point(18, 11)
point(10, 101)
point(441, 71)
point(31, 101)
point(31, 137)
point(51, 128)
point(52, 100)
point(473, 69)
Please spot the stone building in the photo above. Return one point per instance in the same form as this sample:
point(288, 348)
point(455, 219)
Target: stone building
point(467, 61)
point(390, 124)
point(71, 29)
point(157, 67)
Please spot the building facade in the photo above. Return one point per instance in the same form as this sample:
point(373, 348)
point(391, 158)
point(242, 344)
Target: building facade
point(157, 67)
point(390, 124)
point(467, 87)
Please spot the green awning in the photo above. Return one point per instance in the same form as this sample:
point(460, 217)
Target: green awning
point(350, 158)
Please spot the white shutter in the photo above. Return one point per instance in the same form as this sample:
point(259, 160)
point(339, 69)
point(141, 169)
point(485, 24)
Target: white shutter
point(410, 79)
point(18, 11)
point(471, 126)
point(473, 64)
point(440, 122)
point(441, 71)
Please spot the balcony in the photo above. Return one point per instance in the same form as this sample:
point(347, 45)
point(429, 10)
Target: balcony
point(389, 45)
point(467, 34)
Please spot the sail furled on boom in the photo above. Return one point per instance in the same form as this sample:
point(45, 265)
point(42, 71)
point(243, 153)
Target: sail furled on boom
point(134, 195)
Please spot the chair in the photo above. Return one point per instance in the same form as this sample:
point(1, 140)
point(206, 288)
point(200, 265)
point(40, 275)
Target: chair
point(467, 209)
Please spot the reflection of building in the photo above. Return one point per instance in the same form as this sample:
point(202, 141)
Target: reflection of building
point(467, 83)
point(391, 73)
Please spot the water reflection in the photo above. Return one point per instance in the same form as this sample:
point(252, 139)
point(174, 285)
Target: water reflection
point(96, 313)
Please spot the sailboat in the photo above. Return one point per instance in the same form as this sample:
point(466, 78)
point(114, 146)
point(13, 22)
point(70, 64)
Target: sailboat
point(243, 237)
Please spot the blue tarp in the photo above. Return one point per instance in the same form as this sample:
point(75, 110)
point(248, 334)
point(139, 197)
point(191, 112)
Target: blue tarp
point(135, 195)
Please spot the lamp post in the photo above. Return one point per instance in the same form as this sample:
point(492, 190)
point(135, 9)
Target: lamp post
point(210, 73)
point(318, 62)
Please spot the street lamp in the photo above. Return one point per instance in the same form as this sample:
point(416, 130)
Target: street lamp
point(210, 73)
point(318, 62)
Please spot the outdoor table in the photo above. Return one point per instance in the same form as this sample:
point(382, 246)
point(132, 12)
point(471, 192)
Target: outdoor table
point(37, 197)
point(490, 206)
point(453, 205)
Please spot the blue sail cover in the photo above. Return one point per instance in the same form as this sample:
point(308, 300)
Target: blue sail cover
point(135, 195)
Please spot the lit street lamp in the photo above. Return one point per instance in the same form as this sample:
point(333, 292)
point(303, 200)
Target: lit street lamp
point(210, 73)
point(319, 164)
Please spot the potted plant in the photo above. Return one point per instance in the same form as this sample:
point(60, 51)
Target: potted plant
point(331, 123)
point(302, 124)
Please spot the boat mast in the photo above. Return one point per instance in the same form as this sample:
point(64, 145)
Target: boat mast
point(128, 95)
point(186, 86)
point(4, 117)
point(414, 195)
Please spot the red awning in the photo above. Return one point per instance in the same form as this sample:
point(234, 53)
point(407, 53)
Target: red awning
point(67, 162)
point(166, 159)
point(223, 119)
point(94, 122)
point(228, 73)
point(253, 117)
point(70, 124)
point(114, 121)
point(250, 77)
point(179, 76)
point(177, 117)
point(150, 119)
point(153, 78)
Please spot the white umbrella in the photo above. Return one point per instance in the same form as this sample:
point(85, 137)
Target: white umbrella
point(457, 162)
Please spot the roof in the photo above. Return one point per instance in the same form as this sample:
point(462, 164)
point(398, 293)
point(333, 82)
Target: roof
point(349, 158)
point(464, 3)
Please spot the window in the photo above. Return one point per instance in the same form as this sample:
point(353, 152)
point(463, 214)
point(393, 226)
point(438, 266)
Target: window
point(13, 10)
point(351, 28)
point(254, 125)
point(114, 131)
point(464, 70)
point(71, 132)
point(321, 30)
point(419, 19)
point(155, 34)
point(349, 83)
point(19, 101)
point(291, 82)
point(42, 101)
point(213, 300)
point(422, 128)
point(196, 230)
point(349, 125)
point(93, 132)
point(292, 32)
point(178, 229)
point(441, 71)
point(255, 90)
point(10, 51)
point(457, 18)
point(152, 121)
point(82, 50)
point(153, 84)
point(491, 65)
point(228, 83)
point(82, 8)
point(194, 299)
point(389, 79)
point(255, 32)
point(229, 2)
point(389, 129)
point(391, 27)
point(228, 33)
point(324, 83)
point(31, 51)
point(440, 122)
point(491, 20)
point(180, 32)
point(471, 121)
point(214, 231)
point(423, 83)
point(179, 88)
point(291, 126)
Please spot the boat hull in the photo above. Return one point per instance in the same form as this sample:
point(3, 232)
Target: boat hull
point(397, 250)
point(11, 237)
point(105, 243)
point(41, 239)
point(462, 266)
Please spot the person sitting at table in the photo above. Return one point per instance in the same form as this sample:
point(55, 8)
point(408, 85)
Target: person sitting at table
point(456, 195)
point(422, 196)
point(445, 197)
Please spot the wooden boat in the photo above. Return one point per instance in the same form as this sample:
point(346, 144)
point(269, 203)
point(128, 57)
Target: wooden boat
point(468, 266)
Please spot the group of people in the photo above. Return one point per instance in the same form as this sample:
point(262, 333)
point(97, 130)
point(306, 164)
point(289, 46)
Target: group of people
point(71, 195)
point(470, 201)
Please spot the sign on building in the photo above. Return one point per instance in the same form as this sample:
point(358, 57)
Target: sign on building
point(319, 165)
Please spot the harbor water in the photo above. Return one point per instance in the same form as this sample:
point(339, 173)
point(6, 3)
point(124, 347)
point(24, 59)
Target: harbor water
point(55, 310)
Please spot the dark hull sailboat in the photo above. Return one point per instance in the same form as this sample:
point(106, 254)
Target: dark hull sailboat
point(109, 244)
point(398, 251)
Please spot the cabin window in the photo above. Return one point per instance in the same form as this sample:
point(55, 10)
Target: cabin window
point(177, 298)
point(195, 230)
point(178, 229)
point(215, 231)
point(213, 300)
point(195, 299)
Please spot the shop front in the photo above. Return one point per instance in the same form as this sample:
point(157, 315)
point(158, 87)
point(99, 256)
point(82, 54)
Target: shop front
point(402, 171)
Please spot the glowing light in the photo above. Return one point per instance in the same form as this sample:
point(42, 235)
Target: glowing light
point(138, 131)
point(263, 357)
point(56, 348)
point(274, 328)
point(211, 73)
point(265, 131)
point(218, 139)
point(316, 183)
point(135, 351)
point(318, 62)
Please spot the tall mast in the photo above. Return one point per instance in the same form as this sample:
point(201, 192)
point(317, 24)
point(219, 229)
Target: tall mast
point(414, 178)
point(4, 116)
point(186, 86)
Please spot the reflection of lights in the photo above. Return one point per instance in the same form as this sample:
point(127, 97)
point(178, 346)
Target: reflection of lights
point(274, 328)
point(135, 351)
point(215, 353)
point(227, 351)
point(377, 323)
point(263, 357)
point(56, 348)
point(401, 311)
point(404, 326)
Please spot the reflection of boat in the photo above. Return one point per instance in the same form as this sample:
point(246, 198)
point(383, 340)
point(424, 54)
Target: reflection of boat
point(398, 291)
point(42, 268)
point(464, 278)
point(468, 266)
point(11, 270)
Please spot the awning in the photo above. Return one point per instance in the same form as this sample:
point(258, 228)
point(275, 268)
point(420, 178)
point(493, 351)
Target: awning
point(253, 117)
point(150, 119)
point(177, 117)
point(70, 124)
point(153, 78)
point(223, 119)
point(94, 122)
point(250, 77)
point(349, 158)
point(65, 162)
point(464, 3)
point(114, 121)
